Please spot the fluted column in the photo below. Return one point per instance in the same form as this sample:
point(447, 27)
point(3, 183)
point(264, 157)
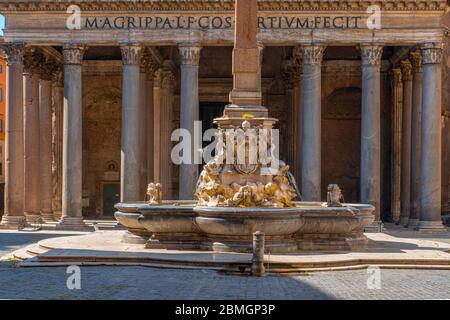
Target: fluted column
point(406, 143)
point(430, 169)
point(151, 69)
point(416, 59)
point(45, 118)
point(298, 87)
point(72, 217)
point(130, 154)
point(143, 127)
point(189, 113)
point(157, 83)
point(14, 186)
point(370, 128)
point(57, 140)
point(32, 186)
point(396, 143)
point(166, 117)
point(312, 122)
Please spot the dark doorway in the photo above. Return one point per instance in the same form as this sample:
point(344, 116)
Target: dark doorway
point(208, 112)
point(111, 196)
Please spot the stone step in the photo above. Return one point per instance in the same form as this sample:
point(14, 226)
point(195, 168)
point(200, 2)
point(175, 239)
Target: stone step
point(22, 254)
point(36, 249)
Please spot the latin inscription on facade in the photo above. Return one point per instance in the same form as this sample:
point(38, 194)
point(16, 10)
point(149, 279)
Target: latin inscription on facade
point(222, 22)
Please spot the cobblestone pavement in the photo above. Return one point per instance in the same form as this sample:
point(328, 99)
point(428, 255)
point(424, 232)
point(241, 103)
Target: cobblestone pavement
point(150, 283)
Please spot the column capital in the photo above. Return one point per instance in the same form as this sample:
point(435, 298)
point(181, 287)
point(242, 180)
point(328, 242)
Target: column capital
point(416, 61)
point(396, 76)
point(371, 54)
point(14, 52)
point(131, 53)
point(406, 67)
point(432, 53)
point(189, 53)
point(313, 53)
point(73, 53)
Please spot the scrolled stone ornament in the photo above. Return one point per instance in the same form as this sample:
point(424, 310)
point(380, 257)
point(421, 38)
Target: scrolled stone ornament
point(190, 53)
point(313, 54)
point(131, 54)
point(371, 54)
point(14, 52)
point(432, 53)
point(73, 53)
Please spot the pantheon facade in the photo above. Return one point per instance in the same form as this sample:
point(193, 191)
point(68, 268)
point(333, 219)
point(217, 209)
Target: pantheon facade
point(95, 89)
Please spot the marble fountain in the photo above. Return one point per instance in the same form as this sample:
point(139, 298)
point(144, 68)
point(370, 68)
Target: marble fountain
point(237, 196)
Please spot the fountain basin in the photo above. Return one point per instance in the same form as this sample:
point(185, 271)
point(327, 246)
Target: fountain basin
point(334, 228)
point(306, 226)
point(172, 225)
point(128, 215)
point(231, 229)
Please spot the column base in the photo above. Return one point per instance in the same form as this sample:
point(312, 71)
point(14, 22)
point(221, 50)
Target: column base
point(413, 223)
point(431, 227)
point(404, 221)
point(72, 223)
point(48, 216)
point(13, 222)
point(375, 227)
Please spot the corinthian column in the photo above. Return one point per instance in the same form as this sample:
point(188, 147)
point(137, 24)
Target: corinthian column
point(396, 143)
point(131, 148)
point(406, 143)
point(143, 121)
point(57, 140)
point(312, 122)
point(151, 69)
point(430, 169)
point(370, 128)
point(45, 117)
point(13, 216)
point(189, 113)
point(416, 59)
point(32, 187)
point(72, 217)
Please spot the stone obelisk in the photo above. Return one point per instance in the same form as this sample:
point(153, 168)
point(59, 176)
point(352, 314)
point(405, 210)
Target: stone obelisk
point(246, 95)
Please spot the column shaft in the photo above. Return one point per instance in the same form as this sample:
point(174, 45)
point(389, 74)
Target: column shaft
point(45, 116)
point(72, 216)
point(370, 128)
point(32, 187)
point(57, 105)
point(143, 132)
point(131, 148)
point(189, 113)
point(396, 144)
point(312, 123)
point(406, 143)
point(150, 126)
point(13, 216)
point(430, 169)
point(416, 59)
point(157, 126)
